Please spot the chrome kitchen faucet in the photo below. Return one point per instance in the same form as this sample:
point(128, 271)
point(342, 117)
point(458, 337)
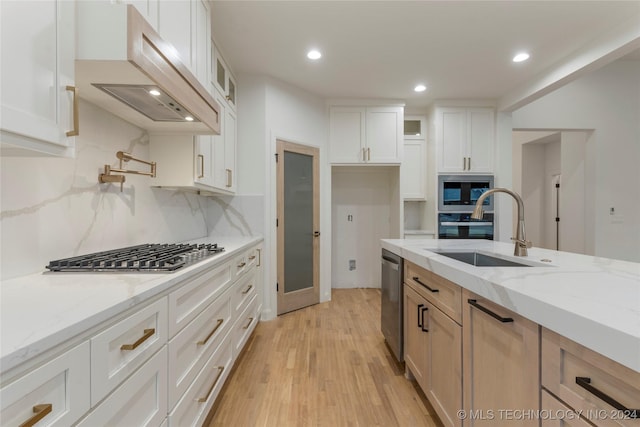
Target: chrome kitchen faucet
point(521, 242)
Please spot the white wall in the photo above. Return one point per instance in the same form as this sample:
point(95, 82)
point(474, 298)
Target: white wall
point(607, 101)
point(270, 110)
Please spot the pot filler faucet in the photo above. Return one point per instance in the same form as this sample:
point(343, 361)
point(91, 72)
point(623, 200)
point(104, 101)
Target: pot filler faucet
point(521, 242)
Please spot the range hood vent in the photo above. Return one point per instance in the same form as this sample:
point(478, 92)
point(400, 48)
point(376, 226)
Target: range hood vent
point(121, 59)
point(150, 101)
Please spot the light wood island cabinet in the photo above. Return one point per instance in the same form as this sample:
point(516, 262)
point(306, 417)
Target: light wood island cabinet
point(433, 339)
point(501, 363)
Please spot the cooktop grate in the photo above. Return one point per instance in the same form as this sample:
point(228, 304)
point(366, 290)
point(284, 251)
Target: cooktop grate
point(157, 257)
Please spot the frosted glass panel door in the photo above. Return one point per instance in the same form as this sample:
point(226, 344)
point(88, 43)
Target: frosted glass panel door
point(298, 232)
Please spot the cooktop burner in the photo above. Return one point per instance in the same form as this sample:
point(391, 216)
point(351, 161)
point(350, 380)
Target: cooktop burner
point(149, 258)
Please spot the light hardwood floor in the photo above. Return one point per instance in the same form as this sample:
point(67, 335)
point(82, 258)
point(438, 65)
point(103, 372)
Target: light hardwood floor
point(325, 365)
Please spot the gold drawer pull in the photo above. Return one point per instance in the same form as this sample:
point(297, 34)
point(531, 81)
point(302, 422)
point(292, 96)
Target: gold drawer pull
point(203, 342)
point(259, 258)
point(147, 334)
point(248, 324)
point(201, 157)
point(39, 412)
point(204, 399)
point(246, 291)
point(76, 121)
point(252, 257)
point(242, 264)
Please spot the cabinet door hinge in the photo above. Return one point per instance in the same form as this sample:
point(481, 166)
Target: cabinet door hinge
point(276, 222)
point(557, 185)
point(277, 286)
point(557, 219)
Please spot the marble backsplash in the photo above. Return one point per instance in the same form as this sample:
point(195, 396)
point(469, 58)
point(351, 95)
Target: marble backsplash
point(55, 208)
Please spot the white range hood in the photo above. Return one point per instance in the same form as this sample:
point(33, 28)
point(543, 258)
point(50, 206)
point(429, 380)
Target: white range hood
point(121, 60)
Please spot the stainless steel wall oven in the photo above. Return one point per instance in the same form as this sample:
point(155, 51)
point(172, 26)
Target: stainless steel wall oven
point(457, 196)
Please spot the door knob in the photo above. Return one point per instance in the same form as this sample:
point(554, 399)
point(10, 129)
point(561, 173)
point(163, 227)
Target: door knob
point(316, 234)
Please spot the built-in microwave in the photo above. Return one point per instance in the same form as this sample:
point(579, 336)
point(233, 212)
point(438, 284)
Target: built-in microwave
point(459, 193)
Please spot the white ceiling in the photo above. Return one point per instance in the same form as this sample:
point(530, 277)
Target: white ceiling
point(382, 49)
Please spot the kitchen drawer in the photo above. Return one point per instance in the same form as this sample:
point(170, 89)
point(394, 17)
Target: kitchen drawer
point(122, 348)
point(189, 300)
point(190, 349)
point(566, 363)
point(241, 264)
point(140, 401)
point(194, 406)
point(245, 324)
point(253, 258)
point(442, 293)
point(556, 414)
point(242, 293)
point(61, 386)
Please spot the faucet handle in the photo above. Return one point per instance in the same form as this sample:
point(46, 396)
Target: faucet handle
point(523, 243)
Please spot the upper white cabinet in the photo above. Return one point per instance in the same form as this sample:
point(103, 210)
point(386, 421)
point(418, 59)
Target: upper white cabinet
point(413, 170)
point(465, 139)
point(186, 25)
point(149, 9)
point(366, 134)
point(222, 78)
point(39, 105)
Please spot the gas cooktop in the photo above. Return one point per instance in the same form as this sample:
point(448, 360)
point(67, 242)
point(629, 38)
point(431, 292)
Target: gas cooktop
point(146, 258)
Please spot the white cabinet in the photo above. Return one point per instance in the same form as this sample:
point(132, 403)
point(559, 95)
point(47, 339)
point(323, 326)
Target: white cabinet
point(56, 393)
point(222, 77)
point(413, 170)
point(122, 348)
point(365, 134)
point(186, 25)
point(140, 401)
point(197, 163)
point(39, 105)
point(224, 147)
point(465, 139)
point(149, 9)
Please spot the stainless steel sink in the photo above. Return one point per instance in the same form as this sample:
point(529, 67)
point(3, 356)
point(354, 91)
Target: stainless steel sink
point(481, 260)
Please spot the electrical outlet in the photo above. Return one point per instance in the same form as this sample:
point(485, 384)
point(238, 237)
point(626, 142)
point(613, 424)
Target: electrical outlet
point(352, 264)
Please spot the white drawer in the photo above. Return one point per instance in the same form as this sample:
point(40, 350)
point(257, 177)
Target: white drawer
point(240, 265)
point(125, 346)
point(190, 349)
point(59, 389)
point(189, 301)
point(244, 325)
point(253, 258)
point(242, 292)
point(194, 406)
point(140, 401)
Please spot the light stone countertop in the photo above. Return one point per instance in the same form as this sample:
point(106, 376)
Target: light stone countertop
point(593, 301)
point(41, 311)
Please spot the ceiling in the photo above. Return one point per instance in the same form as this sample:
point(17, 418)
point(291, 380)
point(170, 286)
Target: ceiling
point(382, 49)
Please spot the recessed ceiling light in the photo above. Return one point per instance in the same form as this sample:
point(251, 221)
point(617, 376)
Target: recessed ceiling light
point(314, 54)
point(523, 56)
point(420, 88)
point(154, 92)
point(189, 118)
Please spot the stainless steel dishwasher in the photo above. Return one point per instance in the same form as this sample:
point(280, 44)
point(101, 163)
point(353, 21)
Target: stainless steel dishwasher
point(391, 312)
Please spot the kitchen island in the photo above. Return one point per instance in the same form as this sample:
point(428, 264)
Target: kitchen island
point(592, 301)
point(506, 339)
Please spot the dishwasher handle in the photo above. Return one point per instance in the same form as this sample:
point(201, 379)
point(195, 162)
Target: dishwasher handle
point(391, 263)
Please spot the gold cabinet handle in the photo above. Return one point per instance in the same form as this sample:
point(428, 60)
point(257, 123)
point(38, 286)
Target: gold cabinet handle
point(204, 399)
point(368, 154)
point(76, 122)
point(147, 334)
point(229, 177)
point(204, 341)
point(201, 157)
point(252, 257)
point(259, 258)
point(364, 159)
point(246, 291)
point(39, 412)
point(242, 264)
point(248, 324)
